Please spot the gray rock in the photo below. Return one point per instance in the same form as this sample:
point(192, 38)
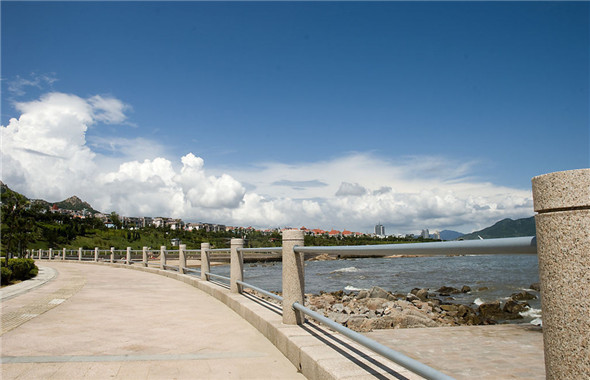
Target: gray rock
point(411, 297)
point(446, 290)
point(377, 292)
point(422, 294)
point(523, 295)
point(362, 294)
point(337, 307)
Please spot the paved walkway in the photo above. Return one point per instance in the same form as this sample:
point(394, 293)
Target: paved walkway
point(99, 322)
point(473, 352)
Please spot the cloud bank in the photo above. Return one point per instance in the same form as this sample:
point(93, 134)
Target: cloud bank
point(46, 154)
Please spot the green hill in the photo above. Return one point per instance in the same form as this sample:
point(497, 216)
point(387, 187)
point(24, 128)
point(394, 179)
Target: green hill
point(505, 228)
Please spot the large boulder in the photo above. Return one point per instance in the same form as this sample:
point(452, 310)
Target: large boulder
point(513, 307)
point(523, 296)
point(377, 292)
point(446, 290)
point(490, 310)
point(422, 294)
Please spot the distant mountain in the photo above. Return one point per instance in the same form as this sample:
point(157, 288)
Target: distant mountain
point(450, 235)
point(505, 228)
point(72, 203)
point(76, 204)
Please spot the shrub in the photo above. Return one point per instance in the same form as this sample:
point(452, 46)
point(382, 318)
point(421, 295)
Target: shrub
point(21, 269)
point(5, 275)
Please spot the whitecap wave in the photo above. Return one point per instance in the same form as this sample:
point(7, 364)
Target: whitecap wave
point(350, 288)
point(537, 322)
point(531, 312)
point(478, 301)
point(346, 270)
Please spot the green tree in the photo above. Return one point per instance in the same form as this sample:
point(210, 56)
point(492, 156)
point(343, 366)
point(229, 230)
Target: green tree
point(116, 221)
point(17, 223)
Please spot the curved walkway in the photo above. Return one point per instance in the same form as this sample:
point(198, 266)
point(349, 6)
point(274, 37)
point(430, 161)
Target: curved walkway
point(98, 322)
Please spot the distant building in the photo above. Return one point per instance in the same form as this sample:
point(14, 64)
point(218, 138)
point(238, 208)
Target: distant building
point(425, 233)
point(436, 235)
point(379, 230)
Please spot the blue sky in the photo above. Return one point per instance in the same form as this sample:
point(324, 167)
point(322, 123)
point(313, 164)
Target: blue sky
point(440, 101)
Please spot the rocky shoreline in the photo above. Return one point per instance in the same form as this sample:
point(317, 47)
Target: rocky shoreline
point(377, 308)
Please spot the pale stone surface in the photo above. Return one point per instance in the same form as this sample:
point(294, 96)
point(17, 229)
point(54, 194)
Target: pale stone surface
point(293, 275)
point(205, 266)
point(114, 313)
point(563, 245)
point(563, 241)
point(561, 190)
point(237, 265)
point(472, 352)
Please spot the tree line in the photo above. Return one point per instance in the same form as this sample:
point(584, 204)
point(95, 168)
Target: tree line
point(28, 225)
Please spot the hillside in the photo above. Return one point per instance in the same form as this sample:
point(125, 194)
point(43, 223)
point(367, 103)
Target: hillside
point(72, 203)
point(505, 228)
point(450, 235)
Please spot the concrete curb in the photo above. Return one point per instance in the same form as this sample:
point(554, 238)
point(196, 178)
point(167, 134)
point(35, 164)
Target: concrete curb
point(45, 275)
point(315, 351)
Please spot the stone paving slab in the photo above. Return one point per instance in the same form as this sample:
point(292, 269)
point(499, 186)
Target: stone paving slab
point(473, 352)
point(125, 324)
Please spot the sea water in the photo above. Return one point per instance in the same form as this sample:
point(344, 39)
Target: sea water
point(490, 277)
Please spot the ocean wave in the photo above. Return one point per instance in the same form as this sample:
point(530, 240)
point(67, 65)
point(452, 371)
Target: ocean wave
point(537, 322)
point(531, 312)
point(478, 301)
point(346, 270)
point(349, 288)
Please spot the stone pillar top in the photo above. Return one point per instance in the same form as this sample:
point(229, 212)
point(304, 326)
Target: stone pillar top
point(293, 234)
point(236, 241)
point(562, 190)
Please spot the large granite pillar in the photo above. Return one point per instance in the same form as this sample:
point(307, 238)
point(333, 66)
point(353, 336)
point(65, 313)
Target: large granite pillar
point(562, 203)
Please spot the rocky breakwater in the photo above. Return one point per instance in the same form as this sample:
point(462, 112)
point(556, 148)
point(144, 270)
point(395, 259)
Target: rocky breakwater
point(379, 309)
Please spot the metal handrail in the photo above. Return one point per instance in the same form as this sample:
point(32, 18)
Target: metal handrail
point(397, 357)
point(192, 270)
point(518, 245)
point(218, 276)
point(259, 290)
point(262, 250)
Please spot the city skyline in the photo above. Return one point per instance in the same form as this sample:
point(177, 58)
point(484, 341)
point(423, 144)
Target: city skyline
point(335, 114)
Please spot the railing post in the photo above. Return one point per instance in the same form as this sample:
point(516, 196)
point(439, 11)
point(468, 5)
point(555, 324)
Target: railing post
point(293, 276)
point(181, 258)
point(562, 203)
point(50, 253)
point(236, 265)
point(80, 254)
point(163, 257)
point(205, 267)
point(128, 257)
point(145, 257)
point(112, 254)
point(95, 254)
point(63, 254)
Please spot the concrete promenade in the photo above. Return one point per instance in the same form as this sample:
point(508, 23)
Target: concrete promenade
point(88, 321)
point(100, 322)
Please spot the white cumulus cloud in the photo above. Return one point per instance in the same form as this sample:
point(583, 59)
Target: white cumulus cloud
point(46, 154)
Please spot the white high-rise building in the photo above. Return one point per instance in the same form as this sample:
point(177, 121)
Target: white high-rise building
point(425, 233)
point(379, 230)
